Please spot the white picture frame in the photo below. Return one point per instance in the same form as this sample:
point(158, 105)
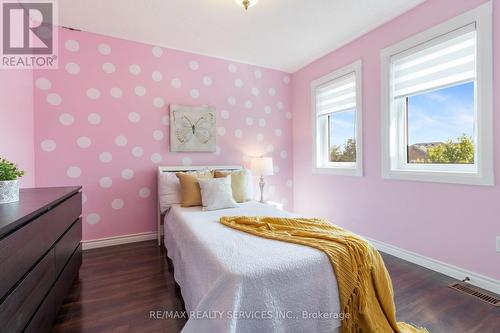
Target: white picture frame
point(192, 128)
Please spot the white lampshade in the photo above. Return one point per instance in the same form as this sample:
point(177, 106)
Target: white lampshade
point(262, 166)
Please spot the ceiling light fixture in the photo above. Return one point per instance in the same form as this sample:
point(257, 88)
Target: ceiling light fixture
point(246, 3)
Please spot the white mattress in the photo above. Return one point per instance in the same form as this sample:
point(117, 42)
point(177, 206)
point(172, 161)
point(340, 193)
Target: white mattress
point(226, 273)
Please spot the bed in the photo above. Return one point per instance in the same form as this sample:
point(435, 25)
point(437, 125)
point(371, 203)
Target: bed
point(232, 281)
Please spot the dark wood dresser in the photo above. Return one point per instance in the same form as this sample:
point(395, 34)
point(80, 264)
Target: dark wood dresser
point(40, 255)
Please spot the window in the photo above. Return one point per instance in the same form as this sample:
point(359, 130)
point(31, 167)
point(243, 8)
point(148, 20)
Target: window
point(437, 103)
point(337, 122)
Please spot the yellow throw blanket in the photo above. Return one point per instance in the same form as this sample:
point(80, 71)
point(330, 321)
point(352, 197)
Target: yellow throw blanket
point(365, 286)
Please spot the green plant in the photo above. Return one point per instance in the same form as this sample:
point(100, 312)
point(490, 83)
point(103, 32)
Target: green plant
point(461, 151)
point(9, 171)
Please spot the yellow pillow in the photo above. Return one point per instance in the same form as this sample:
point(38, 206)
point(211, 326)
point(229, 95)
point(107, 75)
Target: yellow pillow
point(240, 184)
point(190, 188)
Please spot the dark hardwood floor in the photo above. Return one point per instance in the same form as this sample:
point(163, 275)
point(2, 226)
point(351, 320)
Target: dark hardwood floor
point(119, 286)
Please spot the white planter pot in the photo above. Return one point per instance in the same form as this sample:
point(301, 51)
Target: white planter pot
point(9, 191)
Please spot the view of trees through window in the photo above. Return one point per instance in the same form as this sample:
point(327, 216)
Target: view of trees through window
point(441, 126)
point(342, 134)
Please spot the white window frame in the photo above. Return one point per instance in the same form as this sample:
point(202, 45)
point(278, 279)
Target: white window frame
point(320, 139)
point(393, 124)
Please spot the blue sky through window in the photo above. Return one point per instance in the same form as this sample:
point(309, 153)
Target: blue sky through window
point(342, 127)
point(441, 115)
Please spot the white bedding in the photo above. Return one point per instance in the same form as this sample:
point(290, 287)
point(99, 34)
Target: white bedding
point(238, 274)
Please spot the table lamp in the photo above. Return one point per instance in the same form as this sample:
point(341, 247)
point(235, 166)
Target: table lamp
point(262, 166)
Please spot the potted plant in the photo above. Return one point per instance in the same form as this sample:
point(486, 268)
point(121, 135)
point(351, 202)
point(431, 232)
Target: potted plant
point(9, 185)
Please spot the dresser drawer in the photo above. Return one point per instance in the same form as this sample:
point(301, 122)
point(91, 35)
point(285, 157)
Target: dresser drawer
point(21, 303)
point(67, 277)
point(67, 245)
point(20, 249)
point(44, 318)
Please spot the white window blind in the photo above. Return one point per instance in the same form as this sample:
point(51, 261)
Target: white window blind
point(336, 95)
point(446, 60)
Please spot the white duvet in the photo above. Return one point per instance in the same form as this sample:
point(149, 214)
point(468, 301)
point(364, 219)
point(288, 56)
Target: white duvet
point(232, 281)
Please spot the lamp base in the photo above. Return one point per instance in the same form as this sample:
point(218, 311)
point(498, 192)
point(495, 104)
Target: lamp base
point(261, 185)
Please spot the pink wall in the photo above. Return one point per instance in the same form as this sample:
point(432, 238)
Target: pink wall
point(73, 130)
point(17, 121)
point(453, 223)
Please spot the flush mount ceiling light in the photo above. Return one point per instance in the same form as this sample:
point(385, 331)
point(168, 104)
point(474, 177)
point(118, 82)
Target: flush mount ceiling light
point(246, 3)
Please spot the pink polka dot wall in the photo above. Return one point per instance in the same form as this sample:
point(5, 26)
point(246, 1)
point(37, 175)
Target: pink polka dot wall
point(102, 122)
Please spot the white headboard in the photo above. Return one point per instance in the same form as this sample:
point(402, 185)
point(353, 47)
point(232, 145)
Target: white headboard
point(184, 168)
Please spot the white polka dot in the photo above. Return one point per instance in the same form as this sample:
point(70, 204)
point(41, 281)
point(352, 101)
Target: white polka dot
point(286, 79)
point(289, 183)
point(288, 115)
point(260, 137)
point(262, 122)
point(43, 83)
point(84, 198)
point(157, 76)
point(117, 204)
point(176, 83)
point(74, 172)
point(48, 145)
point(54, 99)
point(137, 151)
point(165, 120)
point(268, 109)
point(279, 105)
point(105, 157)
point(105, 182)
point(207, 80)
point(249, 121)
point(157, 51)
point(221, 131)
point(238, 83)
point(193, 65)
point(271, 92)
point(248, 104)
point(232, 68)
point(121, 140)
point(270, 148)
point(194, 93)
point(72, 68)
point(134, 117)
point(116, 92)
point(224, 114)
point(104, 49)
point(83, 142)
point(231, 100)
point(93, 218)
point(158, 135)
point(257, 74)
point(134, 69)
point(144, 192)
point(255, 91)
point(66, 119)
point(140, 91)
point(278, 132)
point(93, 93)
point(108, 68)
point(238, 133)
point(187, 161)
point(283, 154)
point(158, 102)
point(127, 174)
point(276, 169)
point(218, 150)
point(156, 158)
point(72, 45)
point(94, 119)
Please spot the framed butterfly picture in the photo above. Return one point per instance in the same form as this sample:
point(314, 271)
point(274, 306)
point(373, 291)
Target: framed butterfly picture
point(192, 128)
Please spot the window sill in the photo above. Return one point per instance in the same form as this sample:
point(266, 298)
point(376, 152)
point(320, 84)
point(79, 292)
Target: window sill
point(465, 178)
point(338, 170)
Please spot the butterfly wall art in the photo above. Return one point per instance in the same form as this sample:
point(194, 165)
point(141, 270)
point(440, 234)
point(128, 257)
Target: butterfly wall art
point(192, 128)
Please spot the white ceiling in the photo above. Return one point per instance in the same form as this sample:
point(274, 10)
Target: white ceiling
point(279, 34)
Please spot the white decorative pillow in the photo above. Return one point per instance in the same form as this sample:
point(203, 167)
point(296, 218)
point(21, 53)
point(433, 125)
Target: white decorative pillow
point(169, 188)
point(216, 193)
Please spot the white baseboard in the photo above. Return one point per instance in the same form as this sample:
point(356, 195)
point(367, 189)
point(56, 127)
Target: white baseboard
point(117, 240)
point(455, 272)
